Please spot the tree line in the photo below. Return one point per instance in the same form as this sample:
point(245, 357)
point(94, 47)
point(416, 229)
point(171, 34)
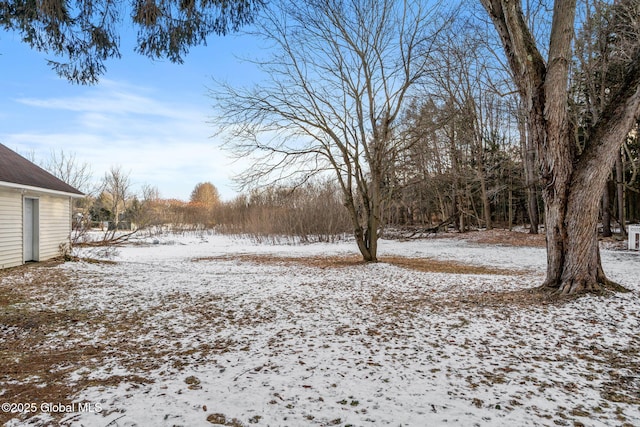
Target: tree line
point(313, 212)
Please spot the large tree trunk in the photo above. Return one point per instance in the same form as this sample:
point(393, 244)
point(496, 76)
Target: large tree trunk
point(367, 243)
point(572, 246)
point(572, 183)
point(553, 138)
point(373, 220)
point(574, 257)
point(366, 239)
point(366, 236)
point(578, 267)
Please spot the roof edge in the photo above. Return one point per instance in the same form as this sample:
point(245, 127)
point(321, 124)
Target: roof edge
point(39, 189)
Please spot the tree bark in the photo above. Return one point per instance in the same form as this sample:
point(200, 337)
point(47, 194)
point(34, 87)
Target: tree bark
point(366, 236)
point(510, 208)
point(580, 269)
point(572, 183)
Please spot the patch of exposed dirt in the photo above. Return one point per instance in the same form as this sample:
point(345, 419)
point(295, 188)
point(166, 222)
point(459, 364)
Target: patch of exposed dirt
point(430, 265)
point(37, 346)
point(504, 237)
point(316, 262)
point(427, 265)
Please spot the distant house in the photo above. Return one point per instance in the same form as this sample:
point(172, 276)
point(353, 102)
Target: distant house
point(35, 211)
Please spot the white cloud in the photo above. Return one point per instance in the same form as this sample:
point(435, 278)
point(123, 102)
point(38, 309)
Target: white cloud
point(118, 101)
point(160, 141)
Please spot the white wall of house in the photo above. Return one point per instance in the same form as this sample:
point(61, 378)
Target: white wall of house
point(52, 225)
point(55, 224)
point(10, 228)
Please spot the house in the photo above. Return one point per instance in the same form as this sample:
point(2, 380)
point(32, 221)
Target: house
point(35, 211)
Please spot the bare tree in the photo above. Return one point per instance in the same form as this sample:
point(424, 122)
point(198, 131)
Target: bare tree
point(147, 212)
point(150, 193)
point(339, 77)
point(117, 185)
point(472, 84)
point(572, 179)
point(69, 169)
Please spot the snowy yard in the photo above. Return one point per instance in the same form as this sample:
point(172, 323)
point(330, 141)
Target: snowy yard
point(204, 330)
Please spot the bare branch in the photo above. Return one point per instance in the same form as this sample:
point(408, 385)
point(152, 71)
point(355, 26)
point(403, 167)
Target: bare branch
point(339, 76)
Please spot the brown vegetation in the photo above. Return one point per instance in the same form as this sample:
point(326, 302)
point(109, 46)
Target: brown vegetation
point(310, 213)
point(426, 265)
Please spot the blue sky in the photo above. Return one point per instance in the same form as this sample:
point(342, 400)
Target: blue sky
point(149, 117)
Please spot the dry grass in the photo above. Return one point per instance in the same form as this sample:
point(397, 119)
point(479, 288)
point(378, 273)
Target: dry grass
point(450, 267)
point(35, 368)
point(315, 262)
point(426, 265)
point(504, 237)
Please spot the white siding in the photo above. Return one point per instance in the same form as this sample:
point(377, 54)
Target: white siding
point(10, 228)
point(55, 224)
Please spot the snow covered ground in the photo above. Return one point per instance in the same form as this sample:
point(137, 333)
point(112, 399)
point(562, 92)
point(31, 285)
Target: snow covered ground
point(203, 329)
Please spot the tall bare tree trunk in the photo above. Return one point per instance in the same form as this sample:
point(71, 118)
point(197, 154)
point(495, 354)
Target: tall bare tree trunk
point(366, 236)
point(572, 183)
point(620, 193)
point(456, 192)
point(606, 212)
point(510, 209)
point(579, 269)
point(486, 205)
point(529, 161)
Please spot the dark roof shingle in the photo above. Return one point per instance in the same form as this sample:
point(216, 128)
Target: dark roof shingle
point(16, 169)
